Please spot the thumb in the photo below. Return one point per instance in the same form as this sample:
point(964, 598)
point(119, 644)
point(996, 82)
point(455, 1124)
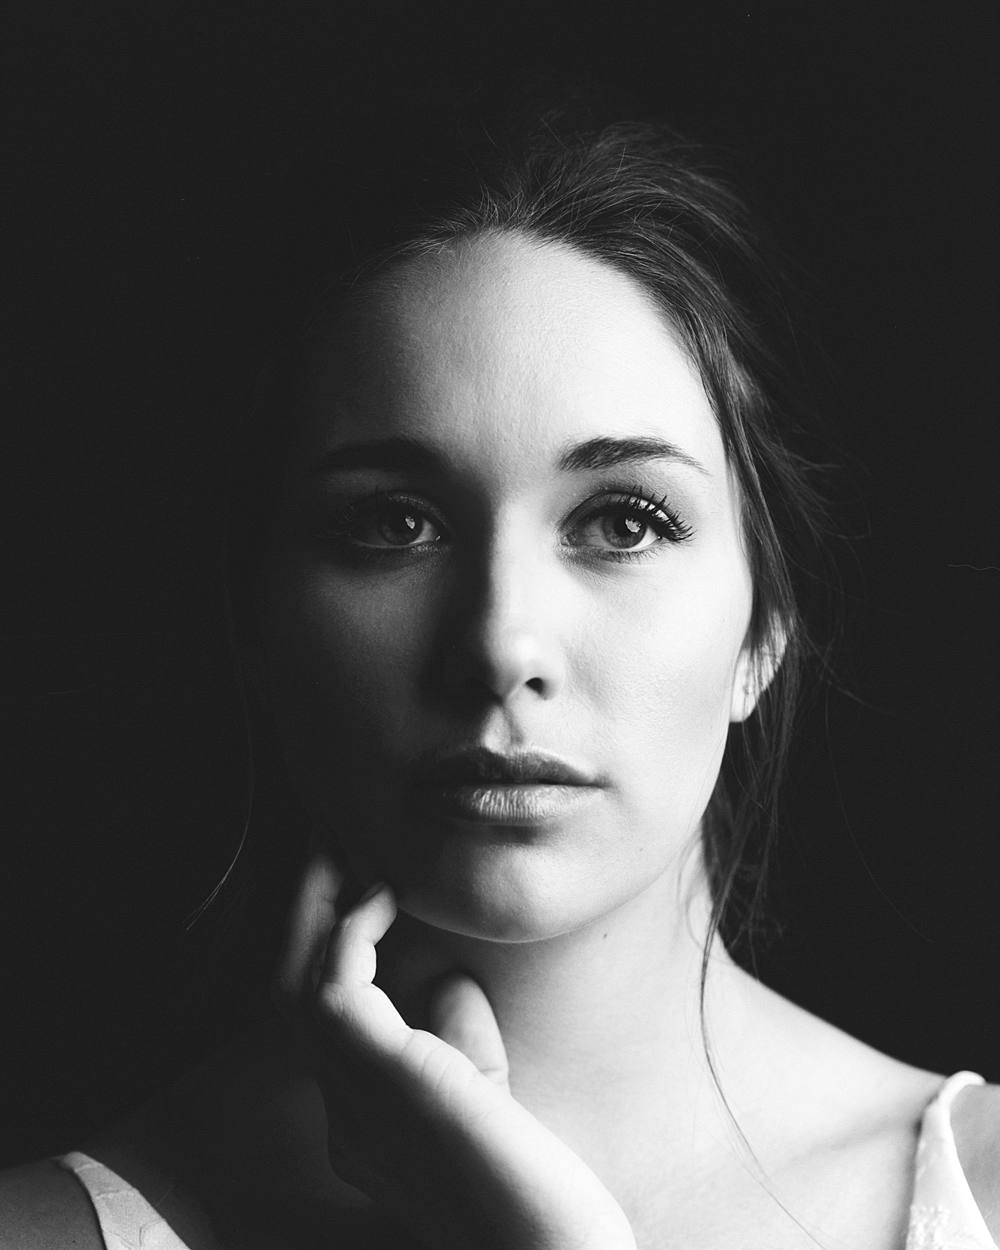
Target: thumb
point(461, 1015)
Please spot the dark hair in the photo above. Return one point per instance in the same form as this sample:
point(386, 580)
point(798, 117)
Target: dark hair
point(641, 199)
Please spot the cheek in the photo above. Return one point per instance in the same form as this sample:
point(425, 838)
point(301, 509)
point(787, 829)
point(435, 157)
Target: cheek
point(650, 664)
point(666, 673)
point(342, 637)
point(343, 669)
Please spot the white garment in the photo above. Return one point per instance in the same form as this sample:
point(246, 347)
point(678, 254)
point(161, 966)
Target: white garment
point(943, 1214)
point(127, 1220)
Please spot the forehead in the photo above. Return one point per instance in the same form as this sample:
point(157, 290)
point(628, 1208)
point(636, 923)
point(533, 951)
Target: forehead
point(502, 345)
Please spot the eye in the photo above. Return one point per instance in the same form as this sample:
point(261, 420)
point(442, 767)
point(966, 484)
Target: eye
point(388, 522)
point(625, 525)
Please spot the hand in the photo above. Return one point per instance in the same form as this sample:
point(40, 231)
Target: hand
point(425, 1124)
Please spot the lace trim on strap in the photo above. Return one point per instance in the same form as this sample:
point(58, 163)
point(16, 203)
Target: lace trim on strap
point(127, 1220)
point(944, 1214)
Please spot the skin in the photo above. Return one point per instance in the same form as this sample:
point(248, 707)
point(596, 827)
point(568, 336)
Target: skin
point(501, 633)
point(503, 1045)
point(515, 622)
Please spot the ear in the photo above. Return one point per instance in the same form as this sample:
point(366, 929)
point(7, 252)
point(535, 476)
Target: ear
point(755, 670)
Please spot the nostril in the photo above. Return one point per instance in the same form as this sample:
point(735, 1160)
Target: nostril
point(496, 670)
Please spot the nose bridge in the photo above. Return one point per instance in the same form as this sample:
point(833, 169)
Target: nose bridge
point(510, 581)
point(512, 640)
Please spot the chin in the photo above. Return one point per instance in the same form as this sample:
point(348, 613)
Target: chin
point(518, 895)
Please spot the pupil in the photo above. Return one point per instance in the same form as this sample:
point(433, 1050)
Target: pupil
point(627, 530)
point(400, 525)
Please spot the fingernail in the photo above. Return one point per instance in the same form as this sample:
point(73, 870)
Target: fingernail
point(372, 890)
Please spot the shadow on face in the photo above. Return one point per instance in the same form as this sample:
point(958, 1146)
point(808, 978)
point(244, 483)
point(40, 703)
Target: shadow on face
point(507, 530)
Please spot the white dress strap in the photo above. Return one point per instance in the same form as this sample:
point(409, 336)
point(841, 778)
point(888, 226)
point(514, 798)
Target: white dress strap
point(944, 1214)
point(127, 1220)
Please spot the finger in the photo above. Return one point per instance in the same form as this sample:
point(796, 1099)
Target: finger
point(350, 954)
point(310, 920)
point(353, 1014)
point(461, 1015)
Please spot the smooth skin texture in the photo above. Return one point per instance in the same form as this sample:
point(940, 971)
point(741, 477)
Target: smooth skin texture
point(516, 1059)
point(513, 622)
point(464, 1164)
point(481, 592)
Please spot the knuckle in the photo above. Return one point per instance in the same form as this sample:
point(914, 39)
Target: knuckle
point(434, 1065)
point(338, 1005)
point(344, 924)
point(498, 1073)
point(342, 936)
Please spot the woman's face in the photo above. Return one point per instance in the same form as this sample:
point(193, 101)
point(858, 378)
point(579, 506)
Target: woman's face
point(506, 600)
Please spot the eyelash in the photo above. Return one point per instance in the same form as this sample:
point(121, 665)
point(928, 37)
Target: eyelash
point(340, 526)
point(665, 522)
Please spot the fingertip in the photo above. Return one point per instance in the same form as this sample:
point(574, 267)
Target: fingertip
point(379, 900)
point(451, 993)
point(462, 1015)
point(374, 890)
point(350, 950)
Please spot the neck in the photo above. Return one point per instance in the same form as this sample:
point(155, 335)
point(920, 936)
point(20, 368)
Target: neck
point(603, 1026)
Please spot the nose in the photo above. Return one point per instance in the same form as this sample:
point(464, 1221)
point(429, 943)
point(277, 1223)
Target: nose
point(504, 639)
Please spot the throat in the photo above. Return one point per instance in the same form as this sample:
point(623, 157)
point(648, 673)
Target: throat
point(604, 1027)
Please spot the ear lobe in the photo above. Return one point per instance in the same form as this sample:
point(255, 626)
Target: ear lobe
point(755, 670)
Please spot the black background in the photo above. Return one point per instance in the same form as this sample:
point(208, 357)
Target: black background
point(161, 157)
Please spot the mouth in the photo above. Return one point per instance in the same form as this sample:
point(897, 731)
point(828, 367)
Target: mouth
point(523, 788)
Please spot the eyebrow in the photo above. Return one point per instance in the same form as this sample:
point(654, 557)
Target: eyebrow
point(398, 452)
point(606, 453)
point(403, 453)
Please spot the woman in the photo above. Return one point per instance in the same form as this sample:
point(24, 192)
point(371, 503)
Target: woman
point(526, 602)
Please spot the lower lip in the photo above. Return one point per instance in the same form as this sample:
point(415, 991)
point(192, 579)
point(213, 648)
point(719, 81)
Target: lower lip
point(493, 803)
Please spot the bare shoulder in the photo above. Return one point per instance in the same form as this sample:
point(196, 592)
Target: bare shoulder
point(234, 1154)
point(172, 1152)
point(42, 1205)
point(975, 1120)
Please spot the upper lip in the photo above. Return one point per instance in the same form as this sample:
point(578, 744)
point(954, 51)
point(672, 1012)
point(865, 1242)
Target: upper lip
point(477, 765)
